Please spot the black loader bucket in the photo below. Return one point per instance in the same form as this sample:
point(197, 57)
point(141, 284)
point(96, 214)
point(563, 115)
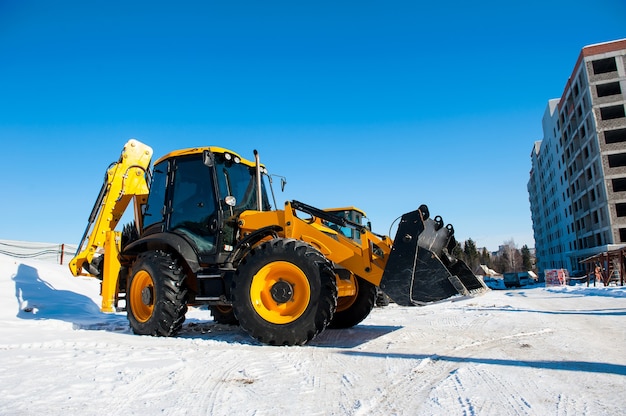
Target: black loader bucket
point(421, 268)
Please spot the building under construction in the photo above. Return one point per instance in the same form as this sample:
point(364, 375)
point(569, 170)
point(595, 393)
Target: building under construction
point(577, 185)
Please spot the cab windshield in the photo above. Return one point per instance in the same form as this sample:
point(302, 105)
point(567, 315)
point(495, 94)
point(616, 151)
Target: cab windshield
point(237, 184)
point(238, 181)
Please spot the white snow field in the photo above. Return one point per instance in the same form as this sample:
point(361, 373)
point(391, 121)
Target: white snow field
point(528, 351)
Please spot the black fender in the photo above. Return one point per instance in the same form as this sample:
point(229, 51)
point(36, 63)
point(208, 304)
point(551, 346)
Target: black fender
point(163, 241)
point(250, 240)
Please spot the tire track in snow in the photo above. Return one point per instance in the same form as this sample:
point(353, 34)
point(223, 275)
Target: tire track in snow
point(405, 387)
point(504, 338)
point(490, 393)
point(320, 375)
point(218, 384)
point(246, 379)
point(125, 380)
point(567, 405)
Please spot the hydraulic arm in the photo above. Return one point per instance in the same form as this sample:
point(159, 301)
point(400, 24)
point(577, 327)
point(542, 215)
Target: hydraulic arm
point(124, 181)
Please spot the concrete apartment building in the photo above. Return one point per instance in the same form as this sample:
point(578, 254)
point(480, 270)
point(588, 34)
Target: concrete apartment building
point(577, 185)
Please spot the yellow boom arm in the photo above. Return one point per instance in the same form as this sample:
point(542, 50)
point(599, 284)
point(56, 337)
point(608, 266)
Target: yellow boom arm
point(124, 180)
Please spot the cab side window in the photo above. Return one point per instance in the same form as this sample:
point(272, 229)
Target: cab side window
point(154, 208)
point(193, 203)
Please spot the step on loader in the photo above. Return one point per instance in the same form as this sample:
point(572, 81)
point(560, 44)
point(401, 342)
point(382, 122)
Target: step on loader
point(206, 232)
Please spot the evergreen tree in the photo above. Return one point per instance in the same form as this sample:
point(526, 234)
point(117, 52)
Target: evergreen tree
point(485, 258)
point(457, 252)
point(526, 258)
point(471, 254)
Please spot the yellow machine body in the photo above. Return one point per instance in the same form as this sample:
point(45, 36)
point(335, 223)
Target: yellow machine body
point(282, 274)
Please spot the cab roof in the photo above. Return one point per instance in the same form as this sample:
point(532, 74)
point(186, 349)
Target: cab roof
point(346, 209)
point(198, 150)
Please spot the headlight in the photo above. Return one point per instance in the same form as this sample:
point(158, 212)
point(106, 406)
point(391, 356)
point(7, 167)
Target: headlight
point(230, 200)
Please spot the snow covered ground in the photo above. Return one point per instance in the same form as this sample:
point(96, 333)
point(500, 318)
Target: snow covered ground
point(529, 351)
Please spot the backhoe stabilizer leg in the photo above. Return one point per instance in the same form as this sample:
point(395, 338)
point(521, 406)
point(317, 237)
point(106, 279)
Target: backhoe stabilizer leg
point(420, 269)
point(111, 270)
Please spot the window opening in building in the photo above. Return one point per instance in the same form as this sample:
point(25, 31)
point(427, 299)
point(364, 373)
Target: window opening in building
point(620, 209)
point(602, 66)
point(617, 160)
point(605, 90)
point(619, 184)
point(615, 136)
point(612, 112)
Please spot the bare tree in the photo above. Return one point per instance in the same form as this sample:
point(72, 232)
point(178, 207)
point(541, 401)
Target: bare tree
point(511, 257)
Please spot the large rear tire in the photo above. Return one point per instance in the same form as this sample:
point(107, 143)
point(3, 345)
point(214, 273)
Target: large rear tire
point(284, 292)
point(156, 298)
point(351, 310)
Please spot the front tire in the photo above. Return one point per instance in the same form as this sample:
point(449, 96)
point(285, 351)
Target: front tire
point(156, 298)
point(351, 310)
point(284, 292)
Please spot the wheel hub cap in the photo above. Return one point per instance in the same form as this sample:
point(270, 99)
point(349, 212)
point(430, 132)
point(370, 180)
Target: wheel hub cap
point(282, 291)
point(146, 296)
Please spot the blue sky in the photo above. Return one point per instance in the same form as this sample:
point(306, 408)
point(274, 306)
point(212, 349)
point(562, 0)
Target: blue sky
point(384, 105)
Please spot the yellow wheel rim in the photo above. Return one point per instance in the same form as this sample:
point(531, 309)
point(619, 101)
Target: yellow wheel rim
point(280, 292)
point(344, 302)
point(141, 296)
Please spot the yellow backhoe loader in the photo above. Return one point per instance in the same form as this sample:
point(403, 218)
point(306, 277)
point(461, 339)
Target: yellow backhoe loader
point(205, 232)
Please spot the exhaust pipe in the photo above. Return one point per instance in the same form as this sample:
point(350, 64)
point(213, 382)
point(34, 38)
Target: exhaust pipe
point(259, 194)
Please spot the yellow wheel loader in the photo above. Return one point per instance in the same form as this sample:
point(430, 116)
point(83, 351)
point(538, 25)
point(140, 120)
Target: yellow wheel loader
point(206, 232)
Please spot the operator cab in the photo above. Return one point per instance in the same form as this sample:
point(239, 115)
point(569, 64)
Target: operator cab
point(198, 194)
